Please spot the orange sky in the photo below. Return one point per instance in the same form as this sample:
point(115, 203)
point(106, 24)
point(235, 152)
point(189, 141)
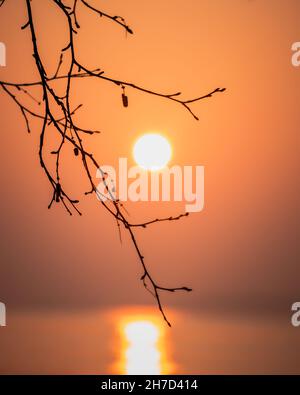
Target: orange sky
point(241, 254)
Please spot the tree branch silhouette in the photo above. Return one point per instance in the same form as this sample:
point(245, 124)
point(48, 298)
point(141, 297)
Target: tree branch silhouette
point(72, 134)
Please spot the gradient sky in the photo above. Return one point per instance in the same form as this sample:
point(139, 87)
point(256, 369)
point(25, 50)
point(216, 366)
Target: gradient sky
point(241, 254)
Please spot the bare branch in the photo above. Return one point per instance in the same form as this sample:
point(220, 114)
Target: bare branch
point(70, 133)
point(118, 19)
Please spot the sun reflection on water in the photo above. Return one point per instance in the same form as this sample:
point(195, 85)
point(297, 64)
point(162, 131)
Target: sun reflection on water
point(142, 355)
point(142, 346)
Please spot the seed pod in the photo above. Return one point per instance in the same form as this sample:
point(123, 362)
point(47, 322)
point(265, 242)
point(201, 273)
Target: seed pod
point(124, 100)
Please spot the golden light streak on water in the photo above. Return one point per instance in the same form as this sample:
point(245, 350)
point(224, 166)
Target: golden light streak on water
point(142, 355)
point(142, 346)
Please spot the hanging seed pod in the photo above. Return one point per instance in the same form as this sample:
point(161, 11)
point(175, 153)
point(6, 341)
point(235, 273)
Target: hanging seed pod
point(124, 100)
point(76, 151)
point(124, 97)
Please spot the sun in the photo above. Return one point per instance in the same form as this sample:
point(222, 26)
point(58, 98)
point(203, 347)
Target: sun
point(152, 151)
